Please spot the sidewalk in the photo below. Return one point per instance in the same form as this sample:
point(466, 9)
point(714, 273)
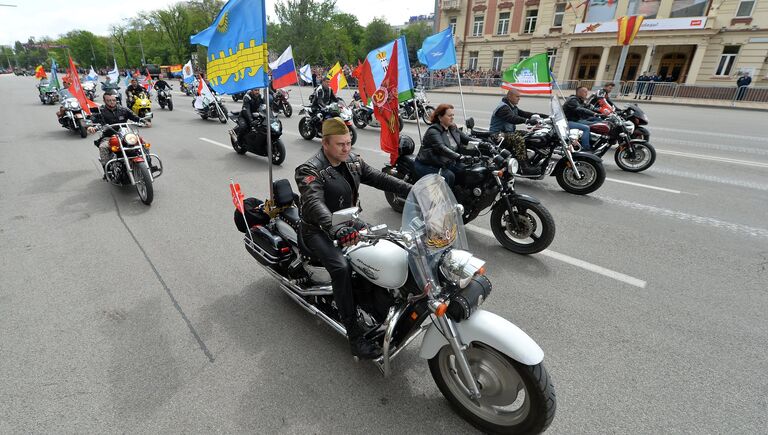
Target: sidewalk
point(720, 104)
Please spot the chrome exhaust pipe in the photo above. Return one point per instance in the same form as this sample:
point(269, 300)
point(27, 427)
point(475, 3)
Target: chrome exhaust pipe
point(338, 327)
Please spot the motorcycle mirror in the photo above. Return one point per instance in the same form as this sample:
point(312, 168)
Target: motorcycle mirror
point(470, 123)
point(344, 215)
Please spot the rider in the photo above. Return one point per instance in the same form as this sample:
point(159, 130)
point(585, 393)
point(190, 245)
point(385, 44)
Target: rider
point(132, 91)
point(252, 102)
point(329, 182)
point(323, 95)
point(504, 121)
point(111, 113)
point(441, 149)
point(579, 115)
point(605, 106)
point(161, 85)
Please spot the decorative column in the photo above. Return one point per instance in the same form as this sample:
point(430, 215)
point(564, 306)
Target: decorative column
point(698, 59)
point(603, 63)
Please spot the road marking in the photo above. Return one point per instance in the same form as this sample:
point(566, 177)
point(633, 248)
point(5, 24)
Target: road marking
point(663, 189)
point(709, 178)
point(204, 139)
point(712, 146)
point(709, 133)
point(702, 220)
point(713, 158)
point(618, 276)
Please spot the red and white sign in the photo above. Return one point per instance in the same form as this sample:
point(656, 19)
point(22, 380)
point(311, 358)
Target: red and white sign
point(648, 25)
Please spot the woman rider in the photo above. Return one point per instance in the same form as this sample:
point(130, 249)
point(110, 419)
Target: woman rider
point(441, 149)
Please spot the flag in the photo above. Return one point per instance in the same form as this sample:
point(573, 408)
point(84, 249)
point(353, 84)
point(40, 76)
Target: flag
point(40, 72)
point(378, 60)
point(76, 89)
point(237, 196)
point(188, 73)
point(114, 75)
point(438, 51)
point(338, 81)
point(204, 95)
point(283, 70)
point(364, 78)
point(385, 108)
point(92, 76)
point(628, 28)
point(237, 47)
point(306, 73)
point(531, 76)
point(147, 81)
point(54, 75)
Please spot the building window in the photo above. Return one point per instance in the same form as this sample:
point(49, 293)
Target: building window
point(498, 57)
point(530, 21)
point(745, 8)
point(552, 55)
point(473, 60)
point(477, 27)
point(452, 23)
point(726, 60)
point(503, 27)
point(559, 14)
point(524, 54)
point(688, 8)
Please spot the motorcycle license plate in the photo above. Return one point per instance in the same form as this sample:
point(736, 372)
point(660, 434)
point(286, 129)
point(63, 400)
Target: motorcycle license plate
point(137, 159)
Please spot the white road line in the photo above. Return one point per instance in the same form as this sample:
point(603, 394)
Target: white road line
point(708, 133)
point(709, 178)
point(663, 189)
point(618, 276)
point(713, 158)
point(711, 146)
point(204, 139)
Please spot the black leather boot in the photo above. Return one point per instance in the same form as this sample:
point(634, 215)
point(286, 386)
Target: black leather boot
point(359, 346)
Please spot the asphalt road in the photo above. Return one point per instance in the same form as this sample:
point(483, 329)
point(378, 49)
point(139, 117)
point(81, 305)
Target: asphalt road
point(118, 317)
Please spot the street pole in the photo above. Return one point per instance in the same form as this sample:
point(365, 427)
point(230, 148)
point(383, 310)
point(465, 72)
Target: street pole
point(436, 20)
point(93, 53)
point(141, 46)
point(620, 66)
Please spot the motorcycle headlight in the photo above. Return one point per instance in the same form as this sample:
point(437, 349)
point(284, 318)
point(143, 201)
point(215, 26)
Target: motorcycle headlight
point(71, 104)
point(513, 166)
point(276, 126)
point(131, 139)
point(459, 266)
point(575, 134)
point(630, 126)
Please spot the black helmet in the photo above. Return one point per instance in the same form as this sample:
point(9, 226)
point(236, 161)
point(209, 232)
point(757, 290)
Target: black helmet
point(407, 146)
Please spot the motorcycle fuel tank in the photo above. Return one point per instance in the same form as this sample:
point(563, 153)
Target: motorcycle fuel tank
point(384, 264)
point(600, 128)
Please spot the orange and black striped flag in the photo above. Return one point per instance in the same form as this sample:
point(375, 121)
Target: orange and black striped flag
point(628, 28)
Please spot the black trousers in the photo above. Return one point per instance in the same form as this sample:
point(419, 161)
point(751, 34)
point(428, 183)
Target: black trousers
point(338, 267)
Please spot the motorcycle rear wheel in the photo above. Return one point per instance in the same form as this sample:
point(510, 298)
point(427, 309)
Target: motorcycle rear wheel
point(426, 115)
point(593, 173)
point(530, 218)
point(143, 184)
point(306, 129)
point(358, 120)
point(353, 134)
point(516, 398)
point(645, 156)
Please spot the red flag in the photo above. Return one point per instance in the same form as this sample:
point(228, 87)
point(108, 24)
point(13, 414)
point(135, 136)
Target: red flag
point(147, 81)
point(364, 78)
point(77, 90)
point(237, 196)
point(385, 107)
point(40, 72)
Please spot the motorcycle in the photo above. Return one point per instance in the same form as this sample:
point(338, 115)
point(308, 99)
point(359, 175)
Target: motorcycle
point(425, 110)
point(73, 117)
point(164, 98)
point(184, 87)
point(623, 129)
point(362, 115)
point(133, 164)
point(48, 94)
point(311, 124)
point(142, 105)
point(238, 96)
point(576, 172)
point(208, 109)
point(518, 221)
point(280, 103)
point(255, 139)
point(420, 279)
point(89, 87)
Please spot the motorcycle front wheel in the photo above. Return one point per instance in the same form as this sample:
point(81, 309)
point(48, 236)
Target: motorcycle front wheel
point(528, 231)
point(353, 134)
point(287, 109)
point(642, 159)
point(593, 176)
point(357, 119)
point(306, 130)
point(83, 129)
point(143, 184)
point(426, 114)
point(515, 398)
point(170, 105)
point(278, 152)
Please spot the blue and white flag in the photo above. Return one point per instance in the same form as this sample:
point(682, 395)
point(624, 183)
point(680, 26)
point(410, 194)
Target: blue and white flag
point(237, 47)
point(379, 61)
point(92, 76)
point(306, 73)
point(114, 75)
point(188, 73)
point(438, 51)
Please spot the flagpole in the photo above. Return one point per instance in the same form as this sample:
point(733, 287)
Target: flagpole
point(269, 141)
point(298, 84)
point(461, 93)
point(552, 76)
point(232, 183)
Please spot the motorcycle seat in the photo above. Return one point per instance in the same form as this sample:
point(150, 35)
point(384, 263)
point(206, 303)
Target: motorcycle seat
point(481, 133)
point(291, 217)
point(408, 164)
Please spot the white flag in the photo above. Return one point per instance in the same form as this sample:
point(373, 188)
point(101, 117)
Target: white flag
point(188, 73)
point(205, 96)
point(92, 76)
point(306, 73)
point(114, 75)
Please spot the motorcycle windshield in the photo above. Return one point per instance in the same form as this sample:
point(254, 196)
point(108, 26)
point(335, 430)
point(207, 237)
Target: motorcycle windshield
point(558, 117)
point(432, 216)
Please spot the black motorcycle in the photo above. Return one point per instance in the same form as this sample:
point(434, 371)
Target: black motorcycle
point(519, 222)
point(311, 123)
point(210, 109)
point(362, 115)
point(238, 96)
point(422, 109)
point(164, 98)
point(255, 139)
point(280, 103)
point(623, 128)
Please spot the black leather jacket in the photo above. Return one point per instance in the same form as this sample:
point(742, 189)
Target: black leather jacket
point(251, 105)
point(117, 115)
point(322, 97)
point(324, 189)
point(437, 149)
point(575, 110)
point(161, 84)
point(134, 91)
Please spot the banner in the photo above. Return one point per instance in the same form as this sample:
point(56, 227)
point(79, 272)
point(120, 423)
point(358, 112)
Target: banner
point(378, 59)
point(386, 107)
point(438, 51)
point(530, 76)
point(647, 25)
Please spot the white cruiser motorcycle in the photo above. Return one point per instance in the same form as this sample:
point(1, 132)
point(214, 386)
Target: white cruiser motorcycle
point(420, 279)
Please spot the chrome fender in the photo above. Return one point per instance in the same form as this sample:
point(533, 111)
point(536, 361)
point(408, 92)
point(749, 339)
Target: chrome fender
point(491, 329)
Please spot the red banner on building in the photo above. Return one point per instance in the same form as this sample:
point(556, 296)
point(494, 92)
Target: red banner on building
point(628, 28)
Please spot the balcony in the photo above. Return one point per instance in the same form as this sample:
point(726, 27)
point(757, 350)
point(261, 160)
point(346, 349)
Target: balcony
point(451, 5)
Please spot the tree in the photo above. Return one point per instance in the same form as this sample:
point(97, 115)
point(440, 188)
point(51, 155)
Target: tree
point(119, 35)
point(414, 37)
point(377, 33)
point(85, 48)
point(305, 25)
point(176, 26)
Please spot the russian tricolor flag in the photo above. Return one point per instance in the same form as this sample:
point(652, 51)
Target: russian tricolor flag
point(283, 70)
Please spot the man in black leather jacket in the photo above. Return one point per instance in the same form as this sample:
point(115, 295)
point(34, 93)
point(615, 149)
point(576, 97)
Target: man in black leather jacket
point(441, 148)
point(579, 115)
point(110, 113)
point(132, 91)
point(252, 101)
point(329, 182)
point(323, 95)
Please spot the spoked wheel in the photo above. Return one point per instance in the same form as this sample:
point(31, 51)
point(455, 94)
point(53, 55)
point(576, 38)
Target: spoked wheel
point(515, 398)
point(143, 184)
point(278, 152)
point(427, 114)
point(396, 202)
point(306, 130)
point(592, 177)
point(642, 159)
point(528, 231)
point(287, 109)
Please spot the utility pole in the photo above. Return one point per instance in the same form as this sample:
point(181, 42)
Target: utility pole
point(435, 19)
point(93, 53)
point(141, 45)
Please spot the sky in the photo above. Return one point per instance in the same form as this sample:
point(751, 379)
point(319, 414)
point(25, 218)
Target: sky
point(38, 18)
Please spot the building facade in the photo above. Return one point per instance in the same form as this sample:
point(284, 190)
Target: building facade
point(693, 41)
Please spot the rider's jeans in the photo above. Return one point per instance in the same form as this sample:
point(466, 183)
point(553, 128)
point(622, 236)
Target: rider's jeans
point(584, 133)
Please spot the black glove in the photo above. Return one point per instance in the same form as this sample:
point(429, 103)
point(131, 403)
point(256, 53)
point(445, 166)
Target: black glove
point(465, 159)
point(530, 121)
point(346, 236)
